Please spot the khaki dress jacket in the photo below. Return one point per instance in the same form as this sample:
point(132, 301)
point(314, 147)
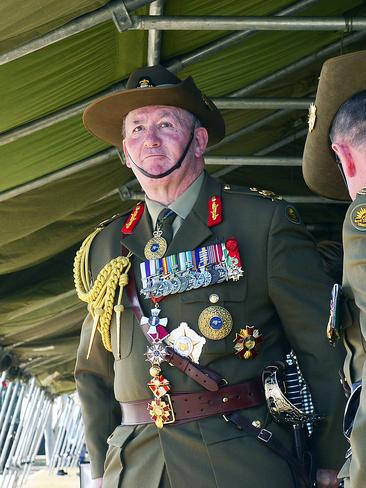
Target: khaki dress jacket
point(284, 293)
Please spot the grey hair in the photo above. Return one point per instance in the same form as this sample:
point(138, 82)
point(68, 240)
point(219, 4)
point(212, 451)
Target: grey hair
point(349, 123)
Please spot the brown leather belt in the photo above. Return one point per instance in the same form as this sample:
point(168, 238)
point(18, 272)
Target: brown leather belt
point(194, 406)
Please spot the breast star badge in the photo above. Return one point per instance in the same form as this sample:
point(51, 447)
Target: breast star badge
point(247, 342)
point(186, 342)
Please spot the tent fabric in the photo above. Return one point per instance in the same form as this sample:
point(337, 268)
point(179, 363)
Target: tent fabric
point(41, 228)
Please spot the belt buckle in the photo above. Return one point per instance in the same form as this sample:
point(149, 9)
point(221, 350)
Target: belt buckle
point(161, 411)
point(264, 435)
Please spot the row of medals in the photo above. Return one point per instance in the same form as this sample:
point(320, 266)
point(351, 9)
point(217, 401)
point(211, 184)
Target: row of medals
point(177, 280)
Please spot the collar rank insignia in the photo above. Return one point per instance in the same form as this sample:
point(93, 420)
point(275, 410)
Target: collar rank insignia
point(214, 211)
point(247, 342)
point(358, 217)
point(186, 342)
point(133, 219)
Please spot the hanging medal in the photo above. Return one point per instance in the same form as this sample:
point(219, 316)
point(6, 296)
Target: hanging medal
point(156, 246)
point(160, 408)
point(157, 326)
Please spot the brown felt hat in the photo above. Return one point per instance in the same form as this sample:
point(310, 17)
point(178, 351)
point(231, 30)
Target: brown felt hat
point(340, 78)
point(152, 85)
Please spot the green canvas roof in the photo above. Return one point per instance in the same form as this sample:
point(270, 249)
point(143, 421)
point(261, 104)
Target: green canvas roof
point(57, 182)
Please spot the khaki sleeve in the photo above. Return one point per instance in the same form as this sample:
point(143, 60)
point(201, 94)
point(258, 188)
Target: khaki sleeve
point(94, 382)
point(355, 262)
point(300, 291)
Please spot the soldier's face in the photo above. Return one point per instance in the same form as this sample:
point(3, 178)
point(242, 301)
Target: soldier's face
point(156, 136)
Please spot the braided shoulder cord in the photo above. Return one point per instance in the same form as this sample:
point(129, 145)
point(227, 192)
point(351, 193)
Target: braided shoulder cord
point(100, 296)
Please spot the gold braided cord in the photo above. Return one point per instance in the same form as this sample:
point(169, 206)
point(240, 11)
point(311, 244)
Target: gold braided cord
point(101, 295)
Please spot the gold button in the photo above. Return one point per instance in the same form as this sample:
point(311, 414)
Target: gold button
point(214, 298)
point(257, 423)
point(225, 399)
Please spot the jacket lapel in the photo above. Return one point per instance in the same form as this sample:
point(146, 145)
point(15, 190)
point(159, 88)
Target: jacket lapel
point(194, 230)
point(136, 241)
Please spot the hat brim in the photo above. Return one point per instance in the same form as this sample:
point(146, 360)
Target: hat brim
point(340, 78)
point(104, 117)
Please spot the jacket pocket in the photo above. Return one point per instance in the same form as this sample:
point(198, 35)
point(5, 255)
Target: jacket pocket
point(229, 295)
point(114, 464)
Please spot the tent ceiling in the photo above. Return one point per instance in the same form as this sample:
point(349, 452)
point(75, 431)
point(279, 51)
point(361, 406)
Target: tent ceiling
point(57, 182)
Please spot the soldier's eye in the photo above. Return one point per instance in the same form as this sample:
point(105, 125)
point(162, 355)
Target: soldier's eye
point(166, 124)
point(138, 128)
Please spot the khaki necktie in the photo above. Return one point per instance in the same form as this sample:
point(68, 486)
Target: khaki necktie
point(164, 223)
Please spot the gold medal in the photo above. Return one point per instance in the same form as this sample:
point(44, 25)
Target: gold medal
point(215, 322)
point(156, 246)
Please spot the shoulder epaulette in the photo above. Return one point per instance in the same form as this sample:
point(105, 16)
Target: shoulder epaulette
point(105, 222)
point(252, 191)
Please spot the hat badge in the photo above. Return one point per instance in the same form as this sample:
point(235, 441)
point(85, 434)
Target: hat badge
point(312, 116)
point(145, 83)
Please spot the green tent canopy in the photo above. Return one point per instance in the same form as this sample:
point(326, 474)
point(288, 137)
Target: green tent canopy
point(57, 182)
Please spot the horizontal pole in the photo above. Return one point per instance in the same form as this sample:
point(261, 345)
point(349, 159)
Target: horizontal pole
point(136, 195)
point(228, 40)
point(101, 158)
point(253, 161)
point(313, 199)
point(146, 22)
point(226, 103)
point(76, 26)
point(222, 103)
point(314, 57)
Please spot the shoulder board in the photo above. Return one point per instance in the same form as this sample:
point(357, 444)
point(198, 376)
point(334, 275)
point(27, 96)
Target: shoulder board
point(252, 191)
point(114, 217)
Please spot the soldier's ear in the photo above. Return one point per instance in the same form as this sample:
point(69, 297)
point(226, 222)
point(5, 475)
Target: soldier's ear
point(201, 140)
point(125, 152)
point(344, 153)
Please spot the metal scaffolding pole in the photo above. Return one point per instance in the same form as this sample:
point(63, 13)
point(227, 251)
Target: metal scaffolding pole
point(226, 41)
point(302, 63)
point(5, 456)
point(36, 440)
point(145, 22)
point(60, 432)
point(154, 37)
point(253, 161)
point(221, 102)
point(248, 130)
point(118, 7)
point(101, 158)
point(265, 151)
point(175, 65)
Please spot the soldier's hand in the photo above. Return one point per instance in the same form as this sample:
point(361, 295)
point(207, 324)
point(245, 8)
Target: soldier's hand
point(326, 478)
point(97, 483)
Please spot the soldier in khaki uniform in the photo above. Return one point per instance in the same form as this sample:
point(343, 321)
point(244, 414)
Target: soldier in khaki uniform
point(337, 134)
point(236, 285)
